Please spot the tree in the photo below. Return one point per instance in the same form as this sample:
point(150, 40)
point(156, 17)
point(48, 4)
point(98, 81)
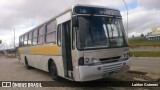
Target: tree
point(0, 41)
point(142, 35)
point(132, 36)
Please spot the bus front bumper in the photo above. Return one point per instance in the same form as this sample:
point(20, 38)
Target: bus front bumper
point(88, 73)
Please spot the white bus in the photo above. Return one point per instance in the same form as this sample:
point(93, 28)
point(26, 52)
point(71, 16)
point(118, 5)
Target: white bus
point(83, 43)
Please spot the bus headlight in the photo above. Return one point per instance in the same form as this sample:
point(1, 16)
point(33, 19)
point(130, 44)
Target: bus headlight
point(90, 60)
point(86, 60)
point(94, 60)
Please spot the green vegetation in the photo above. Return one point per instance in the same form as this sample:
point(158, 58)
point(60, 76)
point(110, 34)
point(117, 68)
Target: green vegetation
point(145, 53)
point(142, 42)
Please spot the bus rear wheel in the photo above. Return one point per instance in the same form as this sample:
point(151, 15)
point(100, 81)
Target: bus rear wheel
point(53, 71)
point(26, 63)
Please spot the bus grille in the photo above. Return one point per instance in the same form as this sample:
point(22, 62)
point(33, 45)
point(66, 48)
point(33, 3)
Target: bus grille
point(110, 69)
point(109, 60)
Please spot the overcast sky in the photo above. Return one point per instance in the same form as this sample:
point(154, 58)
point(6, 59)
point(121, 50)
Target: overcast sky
point(22, 15)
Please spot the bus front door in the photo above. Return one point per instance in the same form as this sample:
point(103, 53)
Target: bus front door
point(66, 49)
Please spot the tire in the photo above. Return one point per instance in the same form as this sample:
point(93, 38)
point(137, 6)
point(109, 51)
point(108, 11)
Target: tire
point(53, 71)
point(26, 63)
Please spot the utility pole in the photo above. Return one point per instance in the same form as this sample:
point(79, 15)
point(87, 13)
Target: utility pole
point(14, 43)
point(14, 38)
point(127, 16)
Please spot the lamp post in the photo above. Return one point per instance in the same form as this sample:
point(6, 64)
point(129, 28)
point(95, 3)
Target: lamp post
point(14, 38)
point(127, 16)
point(14, 43)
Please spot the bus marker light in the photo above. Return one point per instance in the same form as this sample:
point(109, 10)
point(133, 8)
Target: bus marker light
point(124, 67)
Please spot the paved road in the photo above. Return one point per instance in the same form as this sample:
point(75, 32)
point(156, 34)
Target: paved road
point(12, 70)
point(151, 65)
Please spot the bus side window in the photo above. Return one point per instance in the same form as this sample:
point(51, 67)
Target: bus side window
point(30, 39)
point(41, 35)
point(35, 35)
point(25, 39)
point(73, 38)
point(51, 32)
point(59, 33)
point(21, 41)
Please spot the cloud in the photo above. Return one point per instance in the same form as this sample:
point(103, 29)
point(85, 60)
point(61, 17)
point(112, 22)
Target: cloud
point(16, 12)
point(141, 20)
point(26, 14)
point(149, 4)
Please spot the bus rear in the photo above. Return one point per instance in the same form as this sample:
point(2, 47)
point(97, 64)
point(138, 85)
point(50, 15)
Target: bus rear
point(100, 46)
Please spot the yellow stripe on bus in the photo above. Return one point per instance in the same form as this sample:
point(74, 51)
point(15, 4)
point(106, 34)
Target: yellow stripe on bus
point(45, 50)
point(41, 50)
point(21, 51)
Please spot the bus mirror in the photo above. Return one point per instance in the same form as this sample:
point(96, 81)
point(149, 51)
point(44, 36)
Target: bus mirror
point(75, 21)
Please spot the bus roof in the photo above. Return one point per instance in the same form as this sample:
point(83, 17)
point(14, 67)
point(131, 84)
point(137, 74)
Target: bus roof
point(98, 6)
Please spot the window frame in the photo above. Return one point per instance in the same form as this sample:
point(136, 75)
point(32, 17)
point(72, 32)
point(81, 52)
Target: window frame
point(30, 38)
point(33, 37)
point(54, 31)
point(25, 39)
point(21, 41)
point(59, 28)
point(43, 34)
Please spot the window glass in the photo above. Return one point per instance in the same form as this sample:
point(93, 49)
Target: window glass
point(22, 38)
point(51, 37)
point(35, 33)
point(51, 26)
point(26, 37)
point(73, 38)
point(59, 32)
point(29, 42)
point(41, 39)
point(30, 35)
point(42, 30)
point(25, 43)
point(115, 33)
point(21, 41)
point(34, 41)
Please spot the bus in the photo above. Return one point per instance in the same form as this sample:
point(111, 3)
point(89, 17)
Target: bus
point(84, 43)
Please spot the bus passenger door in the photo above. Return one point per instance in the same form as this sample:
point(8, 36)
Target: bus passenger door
point(66, 49)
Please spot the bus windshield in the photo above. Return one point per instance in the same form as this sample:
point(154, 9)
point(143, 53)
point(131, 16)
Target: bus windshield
point(100, 32)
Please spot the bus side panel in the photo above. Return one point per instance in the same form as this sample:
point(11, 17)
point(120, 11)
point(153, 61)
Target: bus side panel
point(38, 57)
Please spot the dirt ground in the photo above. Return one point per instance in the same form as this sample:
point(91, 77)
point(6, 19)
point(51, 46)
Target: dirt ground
point(13, 70)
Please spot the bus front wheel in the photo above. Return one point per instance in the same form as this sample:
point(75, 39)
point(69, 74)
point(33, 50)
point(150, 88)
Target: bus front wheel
point(26, 63)
point(53, 71)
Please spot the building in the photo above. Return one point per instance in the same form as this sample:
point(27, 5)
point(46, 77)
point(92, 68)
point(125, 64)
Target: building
point(154, 35)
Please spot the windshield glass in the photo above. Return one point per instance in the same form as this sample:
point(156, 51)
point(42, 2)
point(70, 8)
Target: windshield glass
point(100, 32)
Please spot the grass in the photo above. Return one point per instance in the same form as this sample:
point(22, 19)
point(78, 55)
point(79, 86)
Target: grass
point(143, 42)
point(145, 53)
